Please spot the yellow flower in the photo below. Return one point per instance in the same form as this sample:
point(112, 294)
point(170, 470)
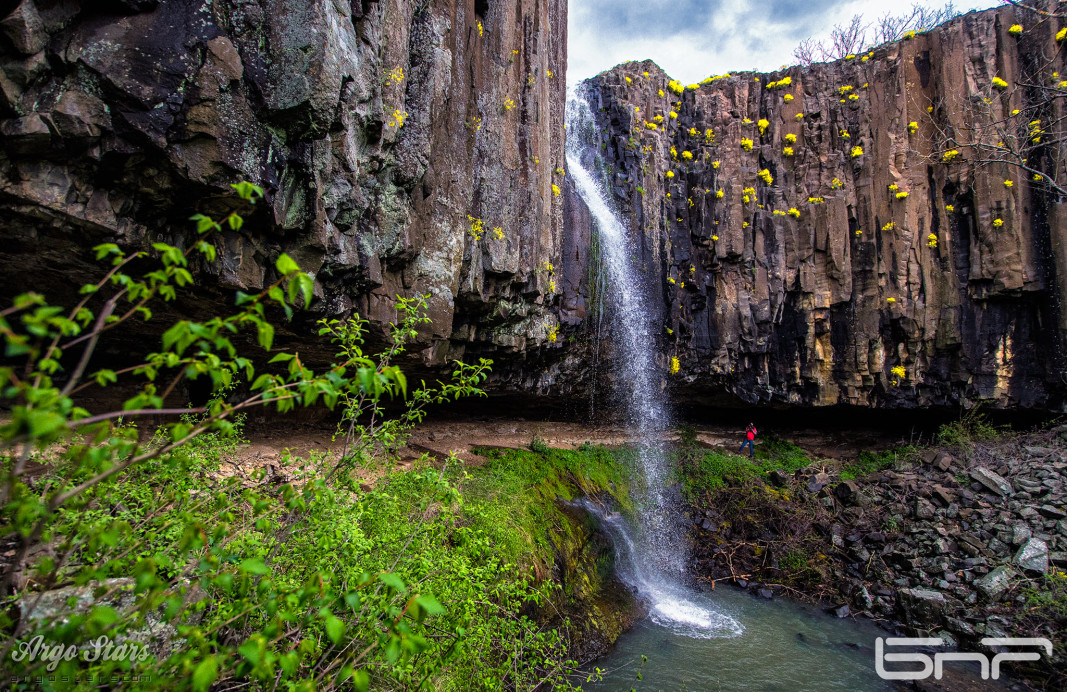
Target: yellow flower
point(794, 212)
point(1016, 112)
point(498, 232)
point(687, 155)
point(628, 80)
point(1015, 29)
point(716, 164)
point(715, 238)
point(670, 174)
point(661, 93)
point(676, 87)
point(692, 269)
point(950, 155)
point(555, 190)
point(765, 176)
point(480, 30)
point(670, 332)
point(508, 104)
point(999, 83)
point(836, 184)
point(1008, 183)
point(859, 232)
point(762, 125)
point(857, 151)
point(787, 98)
point(902, 195)
point(552, 74)
point(949, 208)
point(674, 116)
point(787, 151)
point(899, 371)
point(931, 240)
point(675, 365)
point(658, 118)
point(746, 144)
point(889, 226)
point(890, 300)
point(651, 126)
point(719, 194)
point(1061, 34)
point(670, 280)
point(998, 222)
point(693, 132)
point(853, 97)
point(799, 116)
point(553, 333)
point(894, 188)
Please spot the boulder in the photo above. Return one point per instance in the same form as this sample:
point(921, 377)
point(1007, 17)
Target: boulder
point(992, 481)
point(994, 584)
point(847, 492)
point(921, 607)
point(1033, 556)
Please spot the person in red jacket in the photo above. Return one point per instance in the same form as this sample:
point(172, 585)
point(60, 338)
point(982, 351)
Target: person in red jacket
point(750, 436)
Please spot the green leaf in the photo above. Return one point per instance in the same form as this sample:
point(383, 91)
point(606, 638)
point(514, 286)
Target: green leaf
point(392, 581)
point(286, 265)
point(254, 565)
point(361, 681)
point(205, 674)
point(303, 285)
point(335, 629)
point(430, 604)
point(281, 358)
point(105, 615)
point(266, 334)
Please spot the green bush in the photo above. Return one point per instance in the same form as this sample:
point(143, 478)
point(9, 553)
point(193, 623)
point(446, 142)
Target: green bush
point(971, 427)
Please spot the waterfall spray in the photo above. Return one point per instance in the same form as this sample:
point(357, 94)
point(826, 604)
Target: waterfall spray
point(655, 562)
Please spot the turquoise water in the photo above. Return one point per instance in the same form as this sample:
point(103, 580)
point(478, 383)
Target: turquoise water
point(783, 646)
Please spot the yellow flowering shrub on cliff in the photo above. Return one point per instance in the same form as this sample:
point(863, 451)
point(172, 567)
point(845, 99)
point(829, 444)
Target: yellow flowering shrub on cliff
point(719, 194)
point(676, 87)
point(555, 190)
point(1061, 34)
point(1008, 183)
point(394, 76)
point(999, 83)
point(998, 222)
point(931, 240)
point(675, 365)
point(481, 31)
point(787, 98)
point(836, 184)
point(674, 116)
point(950, 155)
point(762, 124)
point(902, 195)
point(716, 164)
point(1015, 29)
point(553, 333)
point(687, 155)
point(794, 212)
point(498, 233)
point(894, 188)
point(898, 372)
point(508, 104)
point(949, 208)
point(787, 151)
point(889, 226)
point(857, 151)
point(477, 227)
point(765, 176)
point(746, 144)
point(670, 174)
point(790, 139)
point(398, 119)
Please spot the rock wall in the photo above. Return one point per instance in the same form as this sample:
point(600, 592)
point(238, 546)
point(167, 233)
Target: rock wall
point(375, 128)
point(797, 270)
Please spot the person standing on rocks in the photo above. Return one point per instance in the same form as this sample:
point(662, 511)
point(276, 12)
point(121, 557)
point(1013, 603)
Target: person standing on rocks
point(750, 440)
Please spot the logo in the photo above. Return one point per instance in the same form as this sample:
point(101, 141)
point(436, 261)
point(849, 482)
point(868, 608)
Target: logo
point(99, 649)
point(935, 665)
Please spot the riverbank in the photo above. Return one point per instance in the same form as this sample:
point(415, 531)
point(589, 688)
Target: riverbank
point(961, 540)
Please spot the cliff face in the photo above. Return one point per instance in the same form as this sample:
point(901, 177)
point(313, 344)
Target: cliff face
point(798, 270)
point(379, 131)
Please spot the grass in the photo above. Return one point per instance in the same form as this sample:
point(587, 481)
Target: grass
point(873, 462)
point(972, 427)
point(701, 468)
point(514, 494)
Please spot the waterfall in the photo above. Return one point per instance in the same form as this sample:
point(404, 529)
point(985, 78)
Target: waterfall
point(656, 559)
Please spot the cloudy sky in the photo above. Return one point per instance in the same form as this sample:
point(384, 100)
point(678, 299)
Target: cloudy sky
point(693, 39)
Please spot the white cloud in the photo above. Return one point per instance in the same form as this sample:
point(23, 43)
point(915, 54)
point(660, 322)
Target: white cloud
point(731, 35)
